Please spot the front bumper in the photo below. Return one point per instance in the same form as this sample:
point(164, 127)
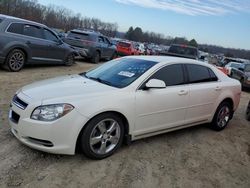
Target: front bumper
point(84, 52)
point(57, 137)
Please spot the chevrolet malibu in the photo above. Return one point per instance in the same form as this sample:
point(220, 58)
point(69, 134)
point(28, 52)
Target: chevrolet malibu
point(121, 101)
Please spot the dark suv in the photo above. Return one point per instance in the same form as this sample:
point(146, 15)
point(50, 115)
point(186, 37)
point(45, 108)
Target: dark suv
point(182, 51)
point(91, 45)
point(23, 41)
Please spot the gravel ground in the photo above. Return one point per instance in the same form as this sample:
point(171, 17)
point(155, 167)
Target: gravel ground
point(192, 157)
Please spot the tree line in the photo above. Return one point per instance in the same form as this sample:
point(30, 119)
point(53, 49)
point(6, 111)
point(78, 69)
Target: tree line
point(138, 35)
point(65, 19)
point(55, 16)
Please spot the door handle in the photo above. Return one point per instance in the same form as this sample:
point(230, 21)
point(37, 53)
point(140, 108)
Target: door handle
point(217, 88)
point(183, 92)
point(28, 42)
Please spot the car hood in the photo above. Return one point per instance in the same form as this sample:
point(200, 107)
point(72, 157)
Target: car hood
point(64, 87)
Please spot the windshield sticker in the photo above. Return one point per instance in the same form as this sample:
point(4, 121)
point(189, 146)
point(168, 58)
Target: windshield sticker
point(126, 74)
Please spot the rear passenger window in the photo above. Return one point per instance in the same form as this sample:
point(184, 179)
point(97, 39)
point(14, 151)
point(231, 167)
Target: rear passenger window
point(198, 73)
point(213, 77)
point(32, 31)
point(171, 75)
point(15, 28)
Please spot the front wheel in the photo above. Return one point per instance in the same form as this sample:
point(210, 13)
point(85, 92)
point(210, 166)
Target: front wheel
point(222, 116)
point(102, 136)
point(70, 60)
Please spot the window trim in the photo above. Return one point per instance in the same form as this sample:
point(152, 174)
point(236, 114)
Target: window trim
point(163, 66)
point(6, 30)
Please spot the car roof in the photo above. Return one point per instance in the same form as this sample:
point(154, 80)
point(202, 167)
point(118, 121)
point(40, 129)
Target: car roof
point(166, 59)
point(16, 19)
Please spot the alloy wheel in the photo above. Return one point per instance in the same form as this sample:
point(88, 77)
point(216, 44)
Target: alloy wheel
point(105, 136)
point(16, 61)
point(223, 116)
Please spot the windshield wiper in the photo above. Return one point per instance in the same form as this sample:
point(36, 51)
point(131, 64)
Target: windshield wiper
point(100, 80)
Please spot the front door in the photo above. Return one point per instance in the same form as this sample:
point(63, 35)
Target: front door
point(159, 109)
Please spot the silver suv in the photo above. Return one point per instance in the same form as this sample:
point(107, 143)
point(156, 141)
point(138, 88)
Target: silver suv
point(23, 42)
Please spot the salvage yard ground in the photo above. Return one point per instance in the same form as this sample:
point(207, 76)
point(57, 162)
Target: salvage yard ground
point(193, 157)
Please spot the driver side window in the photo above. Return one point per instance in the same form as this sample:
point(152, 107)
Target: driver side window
point(48, 35)
point(172, 75)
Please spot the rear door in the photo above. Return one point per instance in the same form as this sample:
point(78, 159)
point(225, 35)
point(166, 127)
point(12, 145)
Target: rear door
point(204, 89)
point(34, 39)
point(103, 46)
point(110, 48)
point(159, 109)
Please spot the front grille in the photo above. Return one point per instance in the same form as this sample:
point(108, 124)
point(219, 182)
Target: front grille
point(14, 117)
point(19, 103)
point(40, 142)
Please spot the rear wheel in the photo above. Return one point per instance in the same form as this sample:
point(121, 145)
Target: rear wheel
point(222, 116)
point(96, 57)
point(15, 60)
point(102, 136)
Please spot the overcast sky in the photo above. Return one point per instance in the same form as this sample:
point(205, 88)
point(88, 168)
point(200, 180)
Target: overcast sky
point(221, 22)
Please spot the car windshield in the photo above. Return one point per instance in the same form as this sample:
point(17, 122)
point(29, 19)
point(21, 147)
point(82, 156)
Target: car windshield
point(82, 36)
point(124, 44)
point(235, 65)
point(120, 72)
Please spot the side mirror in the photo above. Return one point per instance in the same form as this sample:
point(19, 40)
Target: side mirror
point(155, 83)
point(59, 42)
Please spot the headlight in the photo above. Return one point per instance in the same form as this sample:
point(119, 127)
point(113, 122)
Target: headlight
point(51, 112)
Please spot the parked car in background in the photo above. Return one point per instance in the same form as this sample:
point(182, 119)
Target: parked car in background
point(248, 112)
point(141, 48)
point(222, 69)
point(91, 45)
point(242, 74)
point(125, 48)
point(232, 65)
point(25, 42)
point(182, 51)
point(123, 100)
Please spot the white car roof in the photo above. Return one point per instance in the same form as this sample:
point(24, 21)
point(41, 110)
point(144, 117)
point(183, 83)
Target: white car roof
point(166, 59)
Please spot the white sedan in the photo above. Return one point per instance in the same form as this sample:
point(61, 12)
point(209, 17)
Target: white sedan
point(120, 101)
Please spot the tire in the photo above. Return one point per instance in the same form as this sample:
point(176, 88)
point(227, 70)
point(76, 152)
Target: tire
point(70, 60)
point(105, 142)
point(222, 116)
point(248, 112)
point(96, 57)
point(15, 60)
point(114, 56)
